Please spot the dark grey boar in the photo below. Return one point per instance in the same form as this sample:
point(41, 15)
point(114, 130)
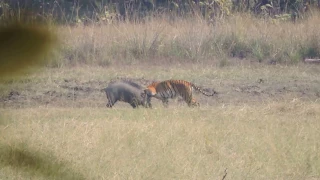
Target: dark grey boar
point(129, 92)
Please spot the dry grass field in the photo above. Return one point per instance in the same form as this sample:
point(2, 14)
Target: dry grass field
point(263, 124)
point(270, 141)
point(54, 124)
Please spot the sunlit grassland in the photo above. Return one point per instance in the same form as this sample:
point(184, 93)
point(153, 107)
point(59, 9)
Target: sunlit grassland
point(268, 141)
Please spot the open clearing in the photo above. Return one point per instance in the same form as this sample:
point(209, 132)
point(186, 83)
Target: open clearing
point(264, 124)
point(80, 86)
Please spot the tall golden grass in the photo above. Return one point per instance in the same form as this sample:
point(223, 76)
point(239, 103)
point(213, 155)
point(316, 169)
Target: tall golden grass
point(266, 141)
point(240, 36)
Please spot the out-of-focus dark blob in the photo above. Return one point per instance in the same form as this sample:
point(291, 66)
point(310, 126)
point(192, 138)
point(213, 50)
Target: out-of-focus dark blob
point(23, 46)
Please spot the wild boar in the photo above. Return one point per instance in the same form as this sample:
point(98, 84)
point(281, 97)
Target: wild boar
point(126, 91)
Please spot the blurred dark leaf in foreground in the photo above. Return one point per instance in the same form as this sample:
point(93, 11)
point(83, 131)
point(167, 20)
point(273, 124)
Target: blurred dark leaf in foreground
point(23, 46)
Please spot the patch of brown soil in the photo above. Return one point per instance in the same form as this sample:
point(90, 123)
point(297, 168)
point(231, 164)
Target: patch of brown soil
point(83, 94)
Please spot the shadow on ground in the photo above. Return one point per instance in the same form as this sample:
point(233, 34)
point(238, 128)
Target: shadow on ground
point(36, 163)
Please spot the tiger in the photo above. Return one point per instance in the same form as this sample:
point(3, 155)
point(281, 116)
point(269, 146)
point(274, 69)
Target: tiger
point(170, 89)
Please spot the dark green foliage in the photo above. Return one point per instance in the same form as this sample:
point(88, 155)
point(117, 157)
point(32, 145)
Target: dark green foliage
point(75, 11)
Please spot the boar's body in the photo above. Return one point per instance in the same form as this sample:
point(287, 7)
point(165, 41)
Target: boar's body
point(129, 92)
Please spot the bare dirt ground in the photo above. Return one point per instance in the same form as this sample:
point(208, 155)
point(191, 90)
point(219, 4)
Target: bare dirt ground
point(71, 92)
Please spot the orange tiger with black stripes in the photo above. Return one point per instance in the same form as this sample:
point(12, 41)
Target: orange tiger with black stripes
point(171, 89)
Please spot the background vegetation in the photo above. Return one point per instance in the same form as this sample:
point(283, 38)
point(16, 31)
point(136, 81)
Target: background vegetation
point(240, 37)
point(107, 32)
point(97, 10)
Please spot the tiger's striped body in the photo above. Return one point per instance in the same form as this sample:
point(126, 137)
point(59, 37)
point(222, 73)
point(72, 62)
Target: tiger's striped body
point(171, 89)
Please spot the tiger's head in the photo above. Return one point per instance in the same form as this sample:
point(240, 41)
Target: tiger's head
point(151, 89)
point(149, 92)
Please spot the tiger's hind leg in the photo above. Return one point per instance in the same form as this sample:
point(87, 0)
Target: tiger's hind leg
point(186, 94)
point(189, 99)
point(165, 102)
point(193, 103)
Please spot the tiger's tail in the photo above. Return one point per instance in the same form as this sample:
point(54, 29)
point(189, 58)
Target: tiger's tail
point(200, 90)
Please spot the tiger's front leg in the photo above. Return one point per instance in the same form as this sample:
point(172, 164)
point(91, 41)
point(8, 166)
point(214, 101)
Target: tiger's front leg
point(146, 96)
point(148, 103)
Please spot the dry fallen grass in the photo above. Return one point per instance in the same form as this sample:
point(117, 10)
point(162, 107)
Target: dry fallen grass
point(269, 141)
